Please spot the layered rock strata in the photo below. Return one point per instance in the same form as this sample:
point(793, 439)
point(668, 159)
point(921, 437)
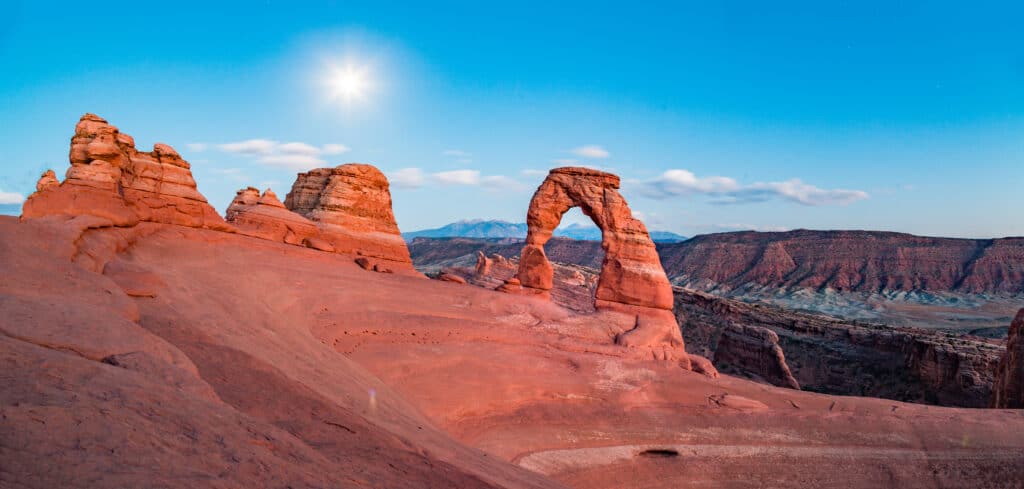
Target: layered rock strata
point(345, 210)
point(632, 280)
point(112, 180)
point(264, 216)
point(351, 206)
point(753, 351)
point(826, 354)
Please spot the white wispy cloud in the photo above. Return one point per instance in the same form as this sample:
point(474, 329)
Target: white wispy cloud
point(591, 151)
point(196, 147)
point(11, 197)
point(500, 182)
point(407, 178)
point(727, 190)
point(565, 161)
point(334, 149)
point(249, 147)
point(416, 177)
point(225, 171)
point(298, 149)
point(300, 162)
point(294, 155)
point(458, 177)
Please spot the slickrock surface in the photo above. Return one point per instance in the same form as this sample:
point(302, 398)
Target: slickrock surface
point(1008, 391)
point(631, 281)
point(351, 204)
point(112, 180)
point(337, 377)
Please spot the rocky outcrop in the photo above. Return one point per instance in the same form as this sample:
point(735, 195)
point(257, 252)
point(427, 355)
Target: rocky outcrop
point(351, 207)
point(851, 261)
point(1008, 391)
point(830, 355)
point(753, 351)
point(110, 179)
point(264, 216)
point(632, 280)
point(631, 273)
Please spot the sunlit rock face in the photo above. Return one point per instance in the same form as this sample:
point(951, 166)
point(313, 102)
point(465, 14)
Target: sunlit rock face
point(632, 279)
point(110, 179)
point(351, 204)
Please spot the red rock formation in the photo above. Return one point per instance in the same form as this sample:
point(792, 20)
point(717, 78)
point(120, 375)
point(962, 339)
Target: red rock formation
point(343, 378)
point(826, 354)
point(266, 217)
point(861, 261)
point(632, 280)
point(351, 204)
point(483, 264)
point(110, 179)
point(754, 352)
point(1008, 391)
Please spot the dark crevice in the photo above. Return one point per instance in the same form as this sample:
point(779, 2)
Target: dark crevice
point(659, 453)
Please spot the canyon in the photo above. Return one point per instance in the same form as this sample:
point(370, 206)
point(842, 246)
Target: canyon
point(148, 342)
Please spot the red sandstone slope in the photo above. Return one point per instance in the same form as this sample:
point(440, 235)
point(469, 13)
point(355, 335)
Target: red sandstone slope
point(189, 362)
point(181, 367)
point(145, 343)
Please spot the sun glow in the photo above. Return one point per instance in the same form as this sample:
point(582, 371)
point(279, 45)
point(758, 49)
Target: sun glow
point(349, 83)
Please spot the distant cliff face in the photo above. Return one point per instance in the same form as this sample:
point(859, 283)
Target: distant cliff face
point(834, 356)
point(852, 261)
point(849, 261)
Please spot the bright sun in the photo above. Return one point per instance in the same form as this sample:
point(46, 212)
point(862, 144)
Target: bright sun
point(349, 83)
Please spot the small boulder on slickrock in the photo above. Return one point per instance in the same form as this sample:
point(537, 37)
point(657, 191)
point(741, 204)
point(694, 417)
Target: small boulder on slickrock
point(632, 280)
point(1008, 389)
point(351, 206)
point(110, 179)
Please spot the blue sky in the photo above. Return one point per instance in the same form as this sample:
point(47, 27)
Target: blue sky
point(904, 116)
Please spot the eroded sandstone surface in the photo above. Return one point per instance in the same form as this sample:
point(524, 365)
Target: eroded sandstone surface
point(351, 205)
point(166, 350)
point(111, 180)
point(631, 281)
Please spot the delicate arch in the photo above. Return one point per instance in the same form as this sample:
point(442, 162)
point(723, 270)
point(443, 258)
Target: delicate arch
point(631, 273)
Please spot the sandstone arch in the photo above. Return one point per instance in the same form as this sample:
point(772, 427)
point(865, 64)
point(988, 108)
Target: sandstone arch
point(632, 279)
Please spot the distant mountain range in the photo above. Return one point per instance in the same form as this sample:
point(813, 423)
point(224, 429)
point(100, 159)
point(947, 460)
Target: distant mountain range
point(479, 228)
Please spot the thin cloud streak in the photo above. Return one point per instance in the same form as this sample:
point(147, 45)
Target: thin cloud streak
point(591, 151)
point(9, 198)
point(727, 191)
